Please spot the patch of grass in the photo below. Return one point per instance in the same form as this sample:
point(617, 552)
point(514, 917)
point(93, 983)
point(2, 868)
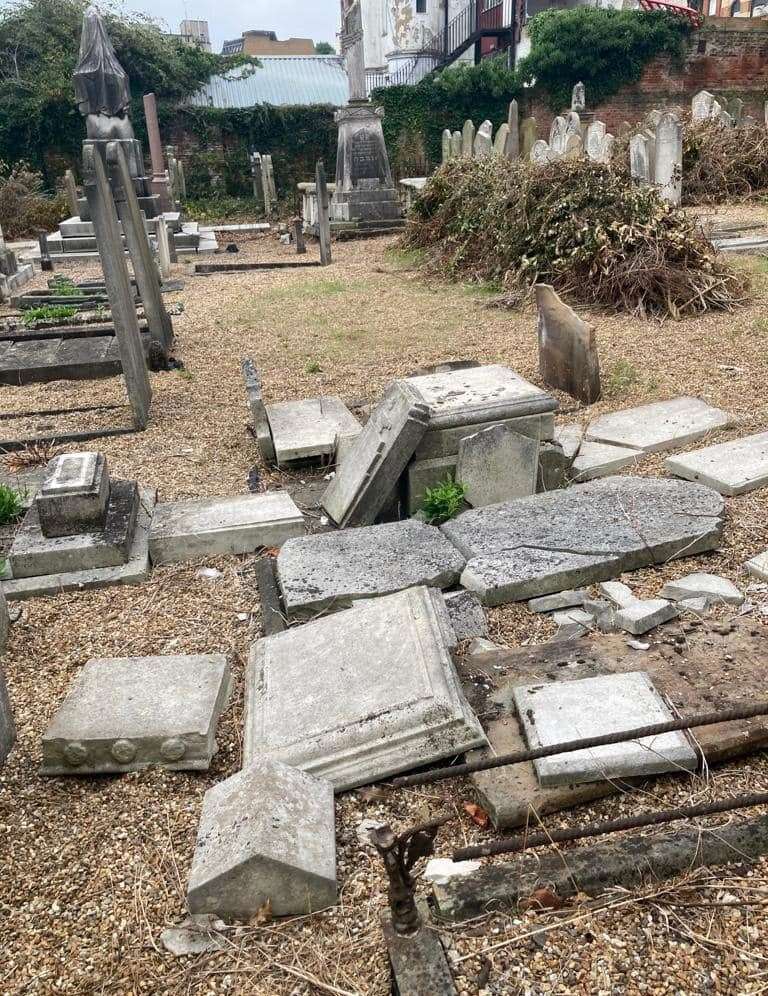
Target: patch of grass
point(11, 505)
point(186, 374)
point(405, 259)
point(48, 313)
point(619, 380)
point(313, 367)
point(313, 290)
point(443, 502)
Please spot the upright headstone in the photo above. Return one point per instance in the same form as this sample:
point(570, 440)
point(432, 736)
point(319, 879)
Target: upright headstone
point(573, 125)
point(119, 291)
point(668, 169)
point(541, 152)
point(323, 214)
point(298, 236)
point(606, 149)
point(702, 106)
point(496, 465)
point(484, 140)
point(595, 136)
point(557, 135)
point(574, 147)
point(578, 99)
point(653, 117)
point(145, 272)
point(172, 252)
point(736, 110)
point(512, 150)
point(72, 196)
point(257, 178)
point(163, 251)
point(46, 263)
point(501, 141)
point(639, 160)
point(568, 358)
point(456, 144)
point(182, 179)
point(446, 145)
point(159, 181)
point(468, 139)
point(268, 185)
point(528, 136)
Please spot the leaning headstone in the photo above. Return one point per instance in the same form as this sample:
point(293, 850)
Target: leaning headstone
point(501, 141)
point(528, 136)
point(560, 711)
point(512, 150)
point(366, 479)
point(468, 139)
point(73, 197)
point(702, 106)
point(639, 159)
point(267, 838)
point(497, 464)
point(668, 166)
point(163, 250)
point(578, 99)
point(484, 140)
point(568, 358)
point(384, 675)
point(456, 144)
point(127, 714)
point(446, 145)
point(261, 427)
point(595, 136)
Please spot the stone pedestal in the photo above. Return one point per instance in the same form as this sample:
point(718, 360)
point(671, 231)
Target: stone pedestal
point(365, 192)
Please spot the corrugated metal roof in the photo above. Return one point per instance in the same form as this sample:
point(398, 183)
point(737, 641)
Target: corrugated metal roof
point(280, 80)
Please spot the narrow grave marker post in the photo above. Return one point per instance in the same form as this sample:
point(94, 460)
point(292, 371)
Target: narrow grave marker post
point(119, 290)
point(323, 214)
point(298, 232)
point(46, 263)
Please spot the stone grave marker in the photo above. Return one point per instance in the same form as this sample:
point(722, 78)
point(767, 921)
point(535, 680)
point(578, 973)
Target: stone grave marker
point(309, 429)
point(323, 215)
point(702, 106)
point(595, 135)
point(662, 425)
point(258, 411)
point(562, 711)
point(483, 145)
point(456, 144)
point(733, 468)
point(600, 460)
point(468, 139)
point(558, 134)
point(512, 150)
point(126, 714)
point(528, 137)
point(542, 153)
point(574, 147)
point(266, 835)
point(390, 695)
point(578, 99)
point(568, 358)
point(446, 145)
point(73, 198)
point(640, 159)
point(501, 141)
point(74, 494)
point(668, 163)
point(497, 464)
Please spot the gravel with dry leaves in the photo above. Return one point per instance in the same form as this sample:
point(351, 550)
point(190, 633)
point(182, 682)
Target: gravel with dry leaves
point(92, 871)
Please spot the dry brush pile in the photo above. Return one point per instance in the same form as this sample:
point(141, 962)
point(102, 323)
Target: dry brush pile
point(724, 163)
point(574, 224)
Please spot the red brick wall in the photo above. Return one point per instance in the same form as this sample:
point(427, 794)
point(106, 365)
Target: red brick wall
point(727, 56)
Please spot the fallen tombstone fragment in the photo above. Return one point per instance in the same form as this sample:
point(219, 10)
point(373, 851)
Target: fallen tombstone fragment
point(733, 468)
point(309, 429)
point(660, 426)
point(709, 586)
point(466, 614)
point(560, 600)
point(568, 358)
point(600, 460)
point(641, 616)
point(758, 566)
point(126, 714)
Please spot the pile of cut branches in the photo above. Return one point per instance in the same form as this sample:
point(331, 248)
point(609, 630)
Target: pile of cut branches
point(574, 224)
point(722, 164)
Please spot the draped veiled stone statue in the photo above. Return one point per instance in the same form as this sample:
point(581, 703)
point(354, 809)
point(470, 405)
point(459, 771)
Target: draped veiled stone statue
point(101, 83)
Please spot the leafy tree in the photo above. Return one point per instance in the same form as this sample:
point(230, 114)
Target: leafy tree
point(39, 43)
point(324, 48)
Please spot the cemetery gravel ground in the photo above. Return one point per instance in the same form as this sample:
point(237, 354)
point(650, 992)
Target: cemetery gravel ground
point(91, 871)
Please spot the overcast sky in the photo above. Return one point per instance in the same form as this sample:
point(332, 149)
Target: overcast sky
point(316, 19)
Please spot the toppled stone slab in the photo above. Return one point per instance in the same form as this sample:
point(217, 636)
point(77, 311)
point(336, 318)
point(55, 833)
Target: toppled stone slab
point(126, 714)
point(568, 358)
point(599, 460)
point(570, 438)
point(258, 410)
point(661, 426)
point(575, 710)
point(733, 468)
point(360, 695)
point(572, 623)
point(331, 570)
point(309, 429)
point(644, 615)
point(467, 615)
point(560, 600)
point(211, 527)
point(372, 465)
point(496, 465)
point(135, 570)
point(267, 835)
point(758, 566)
point(715, 589)
point(588, 533)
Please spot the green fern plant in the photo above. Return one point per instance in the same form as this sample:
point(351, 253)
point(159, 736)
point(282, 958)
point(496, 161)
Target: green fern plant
point(443, 502)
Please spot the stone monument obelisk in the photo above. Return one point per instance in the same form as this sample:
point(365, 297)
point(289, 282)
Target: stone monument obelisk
point(365, 192)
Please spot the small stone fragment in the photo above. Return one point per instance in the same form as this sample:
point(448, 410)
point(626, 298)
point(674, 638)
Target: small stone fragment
point(561, 600)
point(697, 605)
point(620, 594)
point(758, 566)
point(603, 613)
point(467, 615)
point(195, 935)
point(709, 586)
point(642, 616)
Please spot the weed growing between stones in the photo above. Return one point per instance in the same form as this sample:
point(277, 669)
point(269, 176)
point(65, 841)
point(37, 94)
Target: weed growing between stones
point(48, 313)
point(574, 224)
point(443, 502)
point(11, 506)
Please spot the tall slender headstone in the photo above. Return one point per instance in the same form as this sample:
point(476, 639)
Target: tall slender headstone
point(513, 138)
point(73, 198)
point(117, 280)
point(668, 164)
point(446, 145)
point(323, 214)
point(456, 143)
point(595, 136)
point(528, 135)
point(639, 159)
point(558, 135)
point(159, 182)
point(163, 251)
point(501, 141)
point(468, 139)
point(257, 177)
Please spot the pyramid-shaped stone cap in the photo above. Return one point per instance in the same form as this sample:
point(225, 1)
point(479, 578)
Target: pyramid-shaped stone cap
point(267, 834)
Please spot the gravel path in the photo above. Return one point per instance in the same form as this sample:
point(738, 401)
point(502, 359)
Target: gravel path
point(92, 871)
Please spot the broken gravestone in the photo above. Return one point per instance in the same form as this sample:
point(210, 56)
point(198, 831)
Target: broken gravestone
point(125, 714)
point(362, 694)
point(467, 615)
point(587, 533)
point(309, 429)
point(663, 425)
point(267, 836)
point(497, 464)
point(560, 712)
point(329, 571)
point(716, 590)
point(568, 357)
point(733, 468)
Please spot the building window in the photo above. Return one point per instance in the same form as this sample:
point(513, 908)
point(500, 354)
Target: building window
point(421, 6)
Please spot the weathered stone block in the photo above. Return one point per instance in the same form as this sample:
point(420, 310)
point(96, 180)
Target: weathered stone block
point(497, 465)
point(267, 835)
point(211, 527)
point(560, 600)
point(599, 460)
point(332, 570)
point(125, 714)
point(426, 474)
point(74, 495)
point(571, 710)
point(360, 695)
point(731, 468)
point(308, 429)
point(467, 615)
point(644, 615)
point(715, 589)
point(758, 566)
point(663, 425)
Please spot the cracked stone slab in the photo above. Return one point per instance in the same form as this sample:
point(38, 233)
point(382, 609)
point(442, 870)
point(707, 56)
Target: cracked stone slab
point(497, 464)
point(599, 460)
point(715, 589)
point(332, 570)
point(557, 601)
point(588, 533)
point(126, 714)
point(661, 426)
point(211, 527)
point(570, 710)
point(266, 835)
point(360, 695)
point(733, 468)
point(308, 429)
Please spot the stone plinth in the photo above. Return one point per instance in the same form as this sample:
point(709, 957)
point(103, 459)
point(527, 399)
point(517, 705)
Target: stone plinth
point(74, 495)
